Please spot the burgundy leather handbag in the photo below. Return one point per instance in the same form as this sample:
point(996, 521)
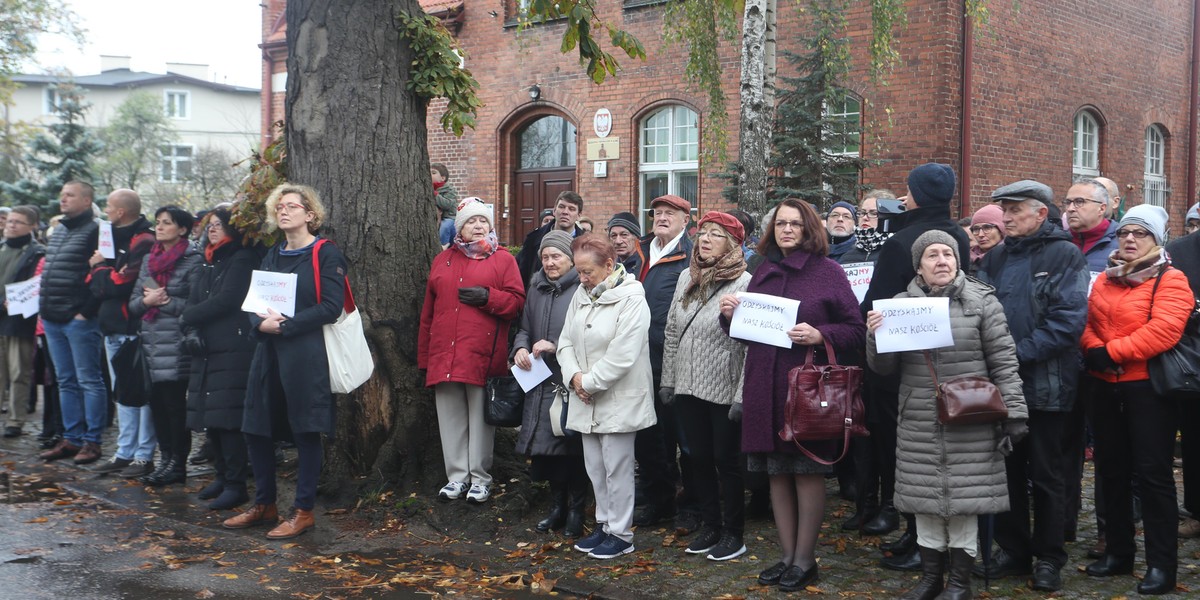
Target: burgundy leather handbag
point(967, 400)
point(824, 403)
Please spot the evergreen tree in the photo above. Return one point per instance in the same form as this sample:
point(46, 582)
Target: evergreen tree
point(61, 155)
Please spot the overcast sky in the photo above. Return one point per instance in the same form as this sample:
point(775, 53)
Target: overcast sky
point(223, 34)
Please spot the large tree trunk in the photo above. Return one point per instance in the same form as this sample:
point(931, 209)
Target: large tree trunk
point(758, 102)
point(358, 136)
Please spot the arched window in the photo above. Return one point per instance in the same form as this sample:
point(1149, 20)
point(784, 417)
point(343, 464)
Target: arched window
point(1086, 161)
point(547, 143)
point(670, 152)
point(1154, 178)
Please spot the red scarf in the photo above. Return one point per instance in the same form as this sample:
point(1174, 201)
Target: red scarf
point(211, 249)
point(161, 264)
point(1086, 239)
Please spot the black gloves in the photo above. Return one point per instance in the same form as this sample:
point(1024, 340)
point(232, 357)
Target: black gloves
point(666, 395)
point(1097, 359)
point(735, 412)
point(473, 296)
point(1014, 432)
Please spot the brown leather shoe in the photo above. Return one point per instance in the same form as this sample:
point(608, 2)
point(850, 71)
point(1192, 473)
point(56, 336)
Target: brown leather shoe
point(90, 453)
point(64, 449)
point(301, 521)
point(259, 514)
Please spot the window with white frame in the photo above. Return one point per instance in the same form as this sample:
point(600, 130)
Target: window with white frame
point(669, 156)
point(50, 100)
point(1086, 155)
point(177, 104)
point(1154, 177)
point(844, 134)
point(176, 161)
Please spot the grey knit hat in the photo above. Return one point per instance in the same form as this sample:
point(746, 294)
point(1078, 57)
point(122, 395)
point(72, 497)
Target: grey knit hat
point(1153, 218)
point(559, 239)
point(929, 238)
point(628, 221)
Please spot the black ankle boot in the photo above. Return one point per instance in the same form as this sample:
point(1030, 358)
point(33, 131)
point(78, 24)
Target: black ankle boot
point(232, 496)
point(575, 506)
point(958, 584)
point(163, 464)
point(213, 489)
point(865, 510)
point(558, 512)
point(887, 521)
point(905, 544)
point(174, 471)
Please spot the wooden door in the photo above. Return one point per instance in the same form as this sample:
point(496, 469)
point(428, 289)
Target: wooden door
point(536, 190)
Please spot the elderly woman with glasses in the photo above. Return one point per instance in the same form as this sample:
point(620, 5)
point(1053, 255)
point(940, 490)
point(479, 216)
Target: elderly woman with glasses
point(1137, 310)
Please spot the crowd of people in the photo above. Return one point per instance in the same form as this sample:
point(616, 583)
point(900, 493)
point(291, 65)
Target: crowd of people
point(148, 315)
point(1058, 304)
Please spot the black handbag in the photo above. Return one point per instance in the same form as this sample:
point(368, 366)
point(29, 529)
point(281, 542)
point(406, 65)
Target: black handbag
point(1176, 372)
point(504, 402)
point(131, 381)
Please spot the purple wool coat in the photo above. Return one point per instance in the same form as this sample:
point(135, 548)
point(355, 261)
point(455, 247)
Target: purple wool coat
point(828, 304)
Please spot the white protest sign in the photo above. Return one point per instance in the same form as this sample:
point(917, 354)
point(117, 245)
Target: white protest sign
point(538, 372)
point(913, 324)
point(22, 297)
point(859, 275)
point(271, 290)
point(1092, 281)
point(764, 318)
point(107, 248)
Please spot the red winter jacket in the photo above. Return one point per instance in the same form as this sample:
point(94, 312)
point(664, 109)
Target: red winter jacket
point(461, 343)
point(1117, 319)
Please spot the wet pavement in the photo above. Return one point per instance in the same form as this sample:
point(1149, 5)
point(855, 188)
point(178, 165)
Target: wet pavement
point(66, 532)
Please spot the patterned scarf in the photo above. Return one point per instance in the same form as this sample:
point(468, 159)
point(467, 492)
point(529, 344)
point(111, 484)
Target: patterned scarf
point(478, 249)
point(869, 239)
point(1139, 270)
point(616, 278)
point(716, 270)
point(160, 265)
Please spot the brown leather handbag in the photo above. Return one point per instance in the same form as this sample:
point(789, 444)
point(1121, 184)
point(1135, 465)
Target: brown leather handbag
point(824, 403)
point(967, 400)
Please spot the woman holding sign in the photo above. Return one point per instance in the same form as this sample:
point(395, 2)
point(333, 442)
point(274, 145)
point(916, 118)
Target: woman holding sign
point(702, 377)
point(558, 460)
point(288, 394)
point(159, 297)
point(948, 474)
point(796, 266)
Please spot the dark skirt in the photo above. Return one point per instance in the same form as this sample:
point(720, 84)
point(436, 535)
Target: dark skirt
point(778, 463)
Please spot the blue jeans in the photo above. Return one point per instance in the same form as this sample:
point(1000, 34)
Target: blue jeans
point(446, 232)
point(135, 427)
point(75, 348)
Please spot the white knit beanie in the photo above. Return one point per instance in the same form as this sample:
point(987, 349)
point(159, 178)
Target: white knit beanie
point(472, 207)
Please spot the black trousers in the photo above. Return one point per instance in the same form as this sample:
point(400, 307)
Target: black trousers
point(654, 449)
point(229, 448)
point(715, 445)
point(875, 465)
point(1074, 443)
point(1189, 433)
point(1135, 437)
point(168, 409)
point(1038, 458)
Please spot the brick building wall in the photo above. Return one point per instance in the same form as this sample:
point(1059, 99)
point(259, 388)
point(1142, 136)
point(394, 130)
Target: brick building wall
point(1035, 66)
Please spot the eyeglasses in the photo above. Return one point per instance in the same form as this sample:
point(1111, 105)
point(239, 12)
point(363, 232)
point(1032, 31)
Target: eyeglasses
point(982, 227)
point(1077, 202)
point(863, 214)
point(282, 206)
point(789, 224)
point(845, 216)
point(1138, 234)
point(712, 234)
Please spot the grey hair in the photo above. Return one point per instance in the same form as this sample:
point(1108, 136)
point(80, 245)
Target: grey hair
point(1099, 191)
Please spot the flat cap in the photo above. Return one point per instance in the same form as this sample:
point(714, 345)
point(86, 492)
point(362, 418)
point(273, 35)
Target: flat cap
point(1026, 189)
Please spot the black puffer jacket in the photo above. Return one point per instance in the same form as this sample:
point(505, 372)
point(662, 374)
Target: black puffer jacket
point(162, 338)
point(217, 385)
point(65, 291)
point(659, 282)
point(112, 281)
point(27, 262)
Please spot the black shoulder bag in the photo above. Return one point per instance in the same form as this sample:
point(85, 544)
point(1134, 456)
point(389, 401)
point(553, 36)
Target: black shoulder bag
point(1176, 372)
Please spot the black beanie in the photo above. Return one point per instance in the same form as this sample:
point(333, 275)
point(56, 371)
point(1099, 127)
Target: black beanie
point(931, 184)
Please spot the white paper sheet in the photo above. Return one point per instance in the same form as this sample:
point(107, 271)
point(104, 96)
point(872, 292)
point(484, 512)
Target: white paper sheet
point(271, 290)
point(538, 372)
point(23, 296)
point(859, 275)
point(106, 246)
point(913, 324)
point(764, 318)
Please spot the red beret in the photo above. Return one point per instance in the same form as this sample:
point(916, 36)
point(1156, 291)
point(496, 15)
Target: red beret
point(727, 222)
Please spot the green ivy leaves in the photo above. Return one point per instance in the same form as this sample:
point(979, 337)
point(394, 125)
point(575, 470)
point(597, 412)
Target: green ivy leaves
point(437, 71)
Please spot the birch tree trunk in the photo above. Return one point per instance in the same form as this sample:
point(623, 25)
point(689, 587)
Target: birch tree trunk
point(758, 103)
point(358, 136)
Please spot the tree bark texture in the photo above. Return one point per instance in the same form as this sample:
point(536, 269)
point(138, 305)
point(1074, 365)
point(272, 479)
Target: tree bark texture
point(757, 102)
point(358, 136)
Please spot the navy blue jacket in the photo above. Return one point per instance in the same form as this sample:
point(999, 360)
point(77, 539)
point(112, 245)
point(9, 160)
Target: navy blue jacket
point(659, 282)
point(1097, 255)
point(1042, 282)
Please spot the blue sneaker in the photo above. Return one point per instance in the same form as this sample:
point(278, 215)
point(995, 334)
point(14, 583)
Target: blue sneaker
point(611, 548)
point(590, 542)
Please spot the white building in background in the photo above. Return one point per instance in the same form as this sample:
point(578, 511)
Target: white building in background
point(205, 114)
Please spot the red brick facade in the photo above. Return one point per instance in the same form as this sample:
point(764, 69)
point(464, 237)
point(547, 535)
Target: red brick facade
point(1034, 67)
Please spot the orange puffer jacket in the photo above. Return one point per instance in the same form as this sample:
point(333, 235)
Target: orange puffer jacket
point(1117, 319)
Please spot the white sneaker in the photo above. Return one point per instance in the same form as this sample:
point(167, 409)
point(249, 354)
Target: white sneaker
point(479, 493)
point(452, 491)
